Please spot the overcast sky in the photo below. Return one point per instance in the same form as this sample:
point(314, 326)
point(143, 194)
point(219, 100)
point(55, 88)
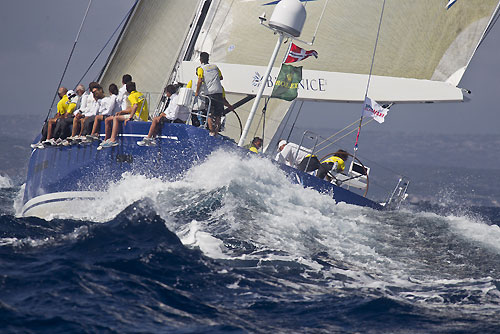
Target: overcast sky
point(37, 37)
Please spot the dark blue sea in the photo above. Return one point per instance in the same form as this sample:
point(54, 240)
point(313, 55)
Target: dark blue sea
point(241, 250)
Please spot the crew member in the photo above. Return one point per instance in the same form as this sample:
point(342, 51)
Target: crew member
point(210, 76)
point(137, 111)
point(335, 164)
point(298, 157)
point(173, 114)
point(255, 145)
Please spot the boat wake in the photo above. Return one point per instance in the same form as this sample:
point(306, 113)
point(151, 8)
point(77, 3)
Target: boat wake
point(234, 243)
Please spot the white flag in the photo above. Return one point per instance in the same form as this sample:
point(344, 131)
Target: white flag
point(373, 109)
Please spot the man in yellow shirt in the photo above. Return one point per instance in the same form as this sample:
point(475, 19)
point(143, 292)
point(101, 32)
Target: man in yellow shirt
point(65, 108)
point(332, 165)
point(255, 145)
point(138, 110)
point(209, 83)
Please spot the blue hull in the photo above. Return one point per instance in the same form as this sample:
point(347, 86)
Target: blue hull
point(60, 174)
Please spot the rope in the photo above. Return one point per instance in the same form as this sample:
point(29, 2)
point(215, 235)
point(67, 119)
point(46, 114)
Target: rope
point(264, 110)
point(69, 59)
point(297, 116)
point(333, 142)
point(106, 44)
point(369, 76)
point(336, 133)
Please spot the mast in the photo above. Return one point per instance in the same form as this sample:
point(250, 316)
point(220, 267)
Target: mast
point(287, 21)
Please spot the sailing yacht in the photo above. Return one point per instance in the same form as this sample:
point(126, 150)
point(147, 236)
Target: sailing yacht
point(424, 48)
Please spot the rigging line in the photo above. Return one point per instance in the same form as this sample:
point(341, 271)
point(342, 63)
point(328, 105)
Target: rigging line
point(319, 22)
point(69, 59)
point(264, 120)
point(118, 39)
point(296, 116)
point(375, 49)
point(338, 132)
point(336, 140)
point(258, 124)
point(105, 45)
point(369, 76)
point(288, 115)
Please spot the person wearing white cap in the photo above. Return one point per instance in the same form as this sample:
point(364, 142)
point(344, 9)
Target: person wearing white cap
point(298, 157)
point(65, 108)
point(62, 129)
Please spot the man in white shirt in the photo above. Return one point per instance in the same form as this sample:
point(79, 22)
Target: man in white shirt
point(85, 109)
point(298, 157)
point(109, 107)
point(122, 97)
point(83, 95)
point(173, 114)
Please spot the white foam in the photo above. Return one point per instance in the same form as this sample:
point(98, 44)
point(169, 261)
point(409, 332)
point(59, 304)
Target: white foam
point(474, 229)
point(5, 182)
point(79, 232)
point(251, 201)
point(18, 201)
point(257, 205)
point(209, 245)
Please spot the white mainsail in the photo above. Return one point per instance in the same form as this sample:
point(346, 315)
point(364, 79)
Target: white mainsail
point(150, 44)
point(419, 40)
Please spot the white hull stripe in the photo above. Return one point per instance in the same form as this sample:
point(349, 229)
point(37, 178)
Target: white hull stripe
point(59, 197)
point(143, 136)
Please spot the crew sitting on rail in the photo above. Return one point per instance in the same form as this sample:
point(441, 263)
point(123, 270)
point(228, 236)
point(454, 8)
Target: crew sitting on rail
point(65, 108)
point(332, 165)
point(87, 111)
point(122, 97)
point(109, 107)
point(137, 111)
point(174, 113)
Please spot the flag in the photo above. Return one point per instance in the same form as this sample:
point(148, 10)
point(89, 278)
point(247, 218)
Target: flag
point(296, 53)
point(373, 109)
point(287, 83)
point(450, 3)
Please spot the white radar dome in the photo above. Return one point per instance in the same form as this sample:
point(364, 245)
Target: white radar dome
point(288, 17)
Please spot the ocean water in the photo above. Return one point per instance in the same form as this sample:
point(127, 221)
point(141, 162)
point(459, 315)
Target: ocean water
point(244, 251)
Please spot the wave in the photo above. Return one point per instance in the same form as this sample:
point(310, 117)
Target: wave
point(212, 258)
point(239, 244)
point(5, 182)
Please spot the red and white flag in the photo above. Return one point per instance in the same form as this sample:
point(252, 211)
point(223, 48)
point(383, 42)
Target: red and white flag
point(296, 53)
point(373, 109)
